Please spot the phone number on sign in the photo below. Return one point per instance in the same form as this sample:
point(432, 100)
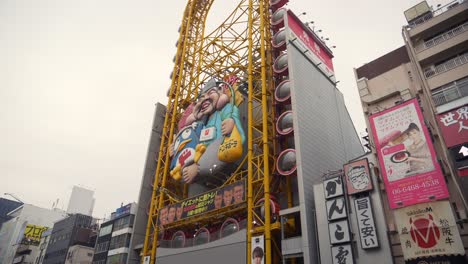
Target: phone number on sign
point(414, 187)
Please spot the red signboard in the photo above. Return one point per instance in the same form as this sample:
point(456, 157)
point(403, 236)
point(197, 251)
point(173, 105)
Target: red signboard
point(454, 126)
point(310, 41)
point(406, 156)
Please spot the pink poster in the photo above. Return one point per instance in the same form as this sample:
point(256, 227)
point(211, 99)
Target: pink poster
point(407, 159)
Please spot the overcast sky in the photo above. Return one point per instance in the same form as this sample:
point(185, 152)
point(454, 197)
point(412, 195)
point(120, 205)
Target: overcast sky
point(79, 80)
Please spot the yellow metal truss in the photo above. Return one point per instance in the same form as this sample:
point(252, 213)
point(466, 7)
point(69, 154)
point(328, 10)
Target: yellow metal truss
point(239, 46)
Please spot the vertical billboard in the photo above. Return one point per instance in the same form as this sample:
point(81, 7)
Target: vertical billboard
point(428, 230)
point(406, 156)
point(258, 250)
point(310, 42)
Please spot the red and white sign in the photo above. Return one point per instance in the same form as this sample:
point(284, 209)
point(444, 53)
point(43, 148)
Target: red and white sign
point(310, 41)
point(454, 126)
point(406, 156)
point(428, 230)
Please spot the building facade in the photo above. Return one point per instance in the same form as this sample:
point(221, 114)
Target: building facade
point(113, 242)
point(25, 219)
point(76, 229)
point(427, 77)
point(81, 201)
point(7, 206)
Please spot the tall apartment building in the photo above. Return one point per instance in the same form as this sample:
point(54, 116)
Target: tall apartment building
point(81, 201)
point(432, 69)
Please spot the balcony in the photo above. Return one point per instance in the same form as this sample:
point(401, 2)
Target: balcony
point(442, 37)
point(446, 66)
point(450, 92)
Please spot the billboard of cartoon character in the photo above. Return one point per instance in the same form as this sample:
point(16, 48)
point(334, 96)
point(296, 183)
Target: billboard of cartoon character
point(210, 139)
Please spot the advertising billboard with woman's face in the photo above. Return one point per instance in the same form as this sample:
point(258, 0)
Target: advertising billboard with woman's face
point(406, 155)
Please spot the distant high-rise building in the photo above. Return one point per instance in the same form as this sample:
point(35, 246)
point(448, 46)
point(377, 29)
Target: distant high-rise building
point(81, 201)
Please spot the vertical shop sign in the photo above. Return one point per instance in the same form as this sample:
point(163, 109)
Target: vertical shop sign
point(366, 224)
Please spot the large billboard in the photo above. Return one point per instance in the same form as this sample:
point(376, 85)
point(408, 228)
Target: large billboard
point(454, 126)
point(229, 195)
point(406, 156)
point(428, 230)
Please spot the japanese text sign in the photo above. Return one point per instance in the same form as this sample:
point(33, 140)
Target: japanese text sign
point(366, 224)
point(333, 187)
point(228, 195)
point(32, 234)
point(428, 230)
point(311, 42)
point(339, 232)
point(454, 126)
point(406, 156)
point(336, 208)
point(357, 176)
point(342, 254)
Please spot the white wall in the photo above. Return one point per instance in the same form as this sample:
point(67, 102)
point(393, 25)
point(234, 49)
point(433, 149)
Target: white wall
point(13, 229)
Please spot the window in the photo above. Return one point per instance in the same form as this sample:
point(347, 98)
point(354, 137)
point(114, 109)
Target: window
point(101, 247)
point(120, 241)
point(117, 259)
point(178, 239)
point(105, 230)
point(229, 227)
point(124, 222)
point(201, 237)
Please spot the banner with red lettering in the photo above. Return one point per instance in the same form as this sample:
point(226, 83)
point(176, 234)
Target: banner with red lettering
point(428, 230)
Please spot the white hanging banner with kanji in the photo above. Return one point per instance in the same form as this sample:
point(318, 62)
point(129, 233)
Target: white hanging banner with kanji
point(428, 229)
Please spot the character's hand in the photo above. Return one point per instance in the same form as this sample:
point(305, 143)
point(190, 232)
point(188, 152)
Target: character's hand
point(189, 173)
point(227, 126)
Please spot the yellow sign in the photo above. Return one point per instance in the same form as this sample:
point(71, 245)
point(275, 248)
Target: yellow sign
point(32, 234)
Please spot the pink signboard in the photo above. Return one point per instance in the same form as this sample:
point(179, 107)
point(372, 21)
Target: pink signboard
point(454, 126)
point(406, 156)
point(310, 41)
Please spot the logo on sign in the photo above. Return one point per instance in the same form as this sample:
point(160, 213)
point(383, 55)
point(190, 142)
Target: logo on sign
point(424, 232)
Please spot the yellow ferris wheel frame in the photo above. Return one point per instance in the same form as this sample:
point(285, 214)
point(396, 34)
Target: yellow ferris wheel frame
point(241, 45)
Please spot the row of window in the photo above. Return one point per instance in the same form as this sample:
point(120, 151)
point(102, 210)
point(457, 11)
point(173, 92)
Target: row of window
point(120, 241)
point(117, 259)
point(101, 247)
point(123, 222)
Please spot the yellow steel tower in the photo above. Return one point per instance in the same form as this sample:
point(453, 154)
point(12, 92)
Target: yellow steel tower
point(240, 46)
